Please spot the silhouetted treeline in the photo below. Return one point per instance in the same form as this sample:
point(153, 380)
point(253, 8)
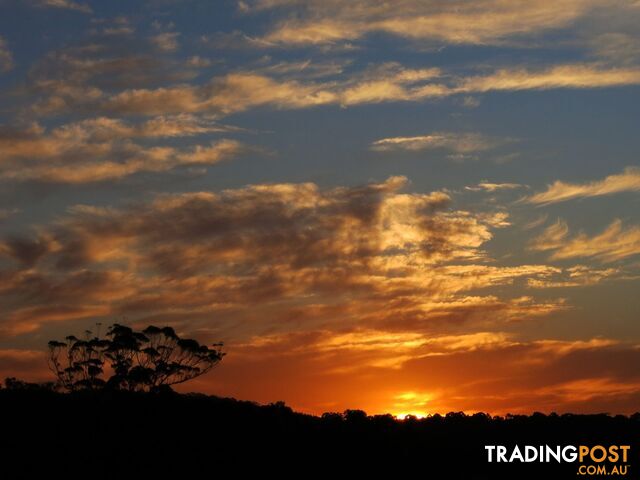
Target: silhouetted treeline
point(136, 435)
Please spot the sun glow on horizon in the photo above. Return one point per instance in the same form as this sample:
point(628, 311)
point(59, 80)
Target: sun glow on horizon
point(411, 404)
point(405, 415)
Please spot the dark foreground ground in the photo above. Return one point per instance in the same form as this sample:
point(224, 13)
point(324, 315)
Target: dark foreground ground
point(127, 436)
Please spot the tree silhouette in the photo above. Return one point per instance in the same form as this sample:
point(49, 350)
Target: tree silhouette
point(147, 360)
point(78, 364)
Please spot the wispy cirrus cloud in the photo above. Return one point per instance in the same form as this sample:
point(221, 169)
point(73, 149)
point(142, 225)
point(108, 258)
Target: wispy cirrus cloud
point(616, 47)
point(239, 91)
point(74, 79)
point(107, 76)
point(303, 69)
point(6, 57)
point(242, 90)
point(103, 148)
point(579, 276)
point(614, 243)
point(460, 145)
point(104, 75)
point(494, 187)
point(166, 41)
point(486, 22)
point(457, 142)
point(579, 75)
point(64, 4)
point(536, 222)
point(227, 94)
point(627, 181)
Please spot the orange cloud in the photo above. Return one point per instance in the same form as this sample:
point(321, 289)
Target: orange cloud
point(23, 364)
point(392, 83)
point(102, 149)
point(627, 181)
point(400, 374)
point(494, 187)
point(365, 296)
point(81, 90)
point(614, 243)
point(578, 276)
point(240, 91)
point(559, 76)
point(462, 143)
point(489, 21)
point(368, 254)
point(77, 78)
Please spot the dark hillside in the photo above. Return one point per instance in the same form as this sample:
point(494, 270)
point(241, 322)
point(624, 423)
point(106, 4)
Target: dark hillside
point(139, 435)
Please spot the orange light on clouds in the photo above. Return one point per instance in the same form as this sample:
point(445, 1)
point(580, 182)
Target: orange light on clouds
point(367, 228)
point(411, 404)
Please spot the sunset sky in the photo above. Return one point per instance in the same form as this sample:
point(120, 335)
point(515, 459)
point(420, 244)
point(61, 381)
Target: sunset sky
point(408, 206)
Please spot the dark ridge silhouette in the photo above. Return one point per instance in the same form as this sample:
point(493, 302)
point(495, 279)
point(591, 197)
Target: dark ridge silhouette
point(128, 435)
point(131, 425)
